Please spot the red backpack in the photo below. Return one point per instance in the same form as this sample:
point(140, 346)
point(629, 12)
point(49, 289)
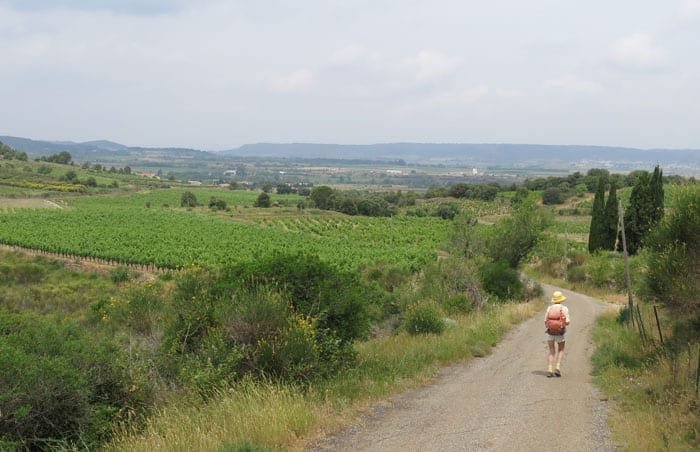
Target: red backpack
point(556, 321)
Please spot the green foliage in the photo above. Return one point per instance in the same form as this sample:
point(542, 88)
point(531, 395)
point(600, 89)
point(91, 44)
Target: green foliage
point(337, 300)
point(62, 158)
point(9, 153)
point(598, 230)
point(22, 273)
point(217, 203)
point(188, 199)
point(263, 200)
point(501, 280)
point(322, 196)
point(453, 283)
point(290, 318)
point(120, 274)
point(552, 195)
point(58, 383)
point(645, 210)
point(424, 318)
point(512, 239)
point(611, 218)
point(447, 211)
point(673, 276)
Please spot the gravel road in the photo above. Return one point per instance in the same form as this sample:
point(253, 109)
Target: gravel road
point(500, 402)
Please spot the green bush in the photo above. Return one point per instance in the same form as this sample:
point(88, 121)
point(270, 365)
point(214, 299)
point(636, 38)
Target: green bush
point(120, 274)
point(499, 279)
point(424, 318)
point(22, 273)
point(576, 274)
point(59, 384)
point(188, 199)
point(338, 301)
point(286, 318)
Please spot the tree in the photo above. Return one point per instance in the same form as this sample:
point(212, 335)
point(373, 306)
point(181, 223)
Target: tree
point(188, 199)
point(673, 276)
point(63, 158)
point(656, 185)
point(611, 219)
point(284, 189)
point(263, 200)
point(552, 195)
point(512, 239)
point(598, 229)
point(645, 209)
point(323, 197)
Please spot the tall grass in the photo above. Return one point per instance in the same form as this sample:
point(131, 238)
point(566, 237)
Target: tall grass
point(656, 406)
point(265, 415)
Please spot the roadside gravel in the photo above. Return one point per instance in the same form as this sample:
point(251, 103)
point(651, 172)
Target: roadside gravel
point(500, 402)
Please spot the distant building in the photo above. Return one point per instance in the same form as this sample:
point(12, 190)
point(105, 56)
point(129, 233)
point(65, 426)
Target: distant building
point(393, 172)
point(147, 174)
point(231, 172)
point(194, 182)
point(474, 172)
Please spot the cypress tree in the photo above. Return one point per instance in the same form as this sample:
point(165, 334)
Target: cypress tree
point(596, 235)
point(657, 196)
point(611, 219)
point(640, 212)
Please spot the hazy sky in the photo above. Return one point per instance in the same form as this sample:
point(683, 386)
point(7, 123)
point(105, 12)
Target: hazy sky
point(214, 74)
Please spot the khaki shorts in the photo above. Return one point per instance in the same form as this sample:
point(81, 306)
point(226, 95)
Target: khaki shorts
point(555, 337)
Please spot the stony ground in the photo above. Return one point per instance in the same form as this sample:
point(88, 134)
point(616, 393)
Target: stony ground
point(500, 402)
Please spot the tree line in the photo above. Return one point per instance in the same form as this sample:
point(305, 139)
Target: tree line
point(645, 210)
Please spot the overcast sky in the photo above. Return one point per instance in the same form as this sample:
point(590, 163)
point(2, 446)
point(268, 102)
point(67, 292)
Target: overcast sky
point(215, 74)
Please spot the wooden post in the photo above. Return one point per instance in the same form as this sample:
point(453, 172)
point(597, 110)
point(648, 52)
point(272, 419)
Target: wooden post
point(658, 325)
point(621, 215)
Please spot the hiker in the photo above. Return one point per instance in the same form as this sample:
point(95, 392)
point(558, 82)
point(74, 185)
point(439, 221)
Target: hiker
point(555, 320)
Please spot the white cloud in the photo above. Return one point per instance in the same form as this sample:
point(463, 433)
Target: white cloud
point(298, 81)
point(572, 83)
point(637, 51)
point(690, 9)
point(463, 96)
point(348, 55)
point(429, 64)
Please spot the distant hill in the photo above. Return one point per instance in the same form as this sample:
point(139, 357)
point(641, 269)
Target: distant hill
point(91, 150)
point(492, 154)
point(535, 156)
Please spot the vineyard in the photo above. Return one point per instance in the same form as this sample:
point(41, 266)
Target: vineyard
point(124, 229)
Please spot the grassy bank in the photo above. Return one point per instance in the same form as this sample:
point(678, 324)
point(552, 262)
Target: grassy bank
point(260, 416)
point(656, 405)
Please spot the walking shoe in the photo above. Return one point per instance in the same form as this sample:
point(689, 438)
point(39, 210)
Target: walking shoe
point(549, 374)
point(557, 372)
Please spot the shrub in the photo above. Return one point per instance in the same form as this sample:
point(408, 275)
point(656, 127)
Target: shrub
point(576, 274)
point(424, 318)
point(447, 211)
point(22, 273)
point(217, 204)
point(499, 279)
point(59, 384)
point(120, 274)
point(263, 201)
point(188, 199)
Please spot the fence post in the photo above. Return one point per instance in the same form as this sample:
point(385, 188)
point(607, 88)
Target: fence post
point(658, 325)
point(697, 374)
point(642, 329)
point(621, 220)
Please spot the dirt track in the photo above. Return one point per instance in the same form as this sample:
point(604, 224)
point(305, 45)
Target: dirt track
point(501, 402)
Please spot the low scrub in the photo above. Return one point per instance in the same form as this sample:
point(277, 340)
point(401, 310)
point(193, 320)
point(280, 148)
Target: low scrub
point(58, 385)
point(271, 415)
point(657, 407)
point(424, 318)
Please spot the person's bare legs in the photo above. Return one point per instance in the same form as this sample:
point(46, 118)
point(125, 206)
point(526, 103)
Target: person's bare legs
point(560, 356)
point(550, 358)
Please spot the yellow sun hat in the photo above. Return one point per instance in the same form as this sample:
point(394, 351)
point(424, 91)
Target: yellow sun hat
point(558, 297)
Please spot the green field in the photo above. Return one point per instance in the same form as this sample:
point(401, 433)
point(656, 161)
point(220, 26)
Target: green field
point(151, 228)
